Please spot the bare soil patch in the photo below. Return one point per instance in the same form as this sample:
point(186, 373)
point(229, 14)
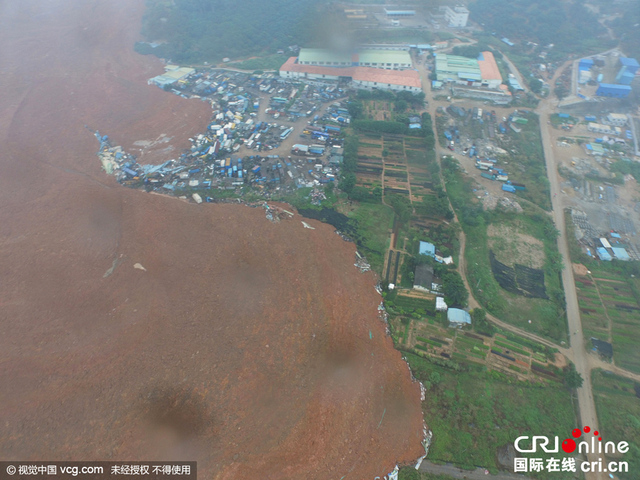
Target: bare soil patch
point(511, 246)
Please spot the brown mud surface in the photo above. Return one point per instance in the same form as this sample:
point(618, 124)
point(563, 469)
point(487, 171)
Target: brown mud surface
point(251, 347)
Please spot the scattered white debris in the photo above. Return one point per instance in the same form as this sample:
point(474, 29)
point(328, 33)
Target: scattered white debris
point(393, 475)
point(306, 225)
point(362, 263)
point(139, 267)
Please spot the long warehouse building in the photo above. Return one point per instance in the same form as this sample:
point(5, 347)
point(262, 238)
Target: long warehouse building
point(360, 77)
point(377, 58)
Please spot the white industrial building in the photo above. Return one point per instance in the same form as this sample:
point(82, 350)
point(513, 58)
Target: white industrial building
point(172, 75)
point(366, 57)
point(457, 16)
point(604, 129)
point(615, 119)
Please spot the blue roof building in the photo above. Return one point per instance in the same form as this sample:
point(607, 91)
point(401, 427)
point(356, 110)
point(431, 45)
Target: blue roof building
point(585, 64)
point(458, 316)
point(621, 254)
point(631, 64)
point(427, 248)
point(603, 254)
point(612, 90)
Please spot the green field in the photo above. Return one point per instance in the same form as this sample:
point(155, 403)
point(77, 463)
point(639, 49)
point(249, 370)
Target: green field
point(618, 405)
point(374, 226)
point(269, 62)
point(472, 413)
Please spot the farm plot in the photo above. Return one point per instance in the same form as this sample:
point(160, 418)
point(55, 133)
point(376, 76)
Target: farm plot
point(618, 409)
point(622, 307)
point(370, 167)
point(594, 319)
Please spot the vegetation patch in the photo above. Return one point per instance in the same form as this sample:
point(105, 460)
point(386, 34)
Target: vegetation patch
point(473, 412)
point(617, 402)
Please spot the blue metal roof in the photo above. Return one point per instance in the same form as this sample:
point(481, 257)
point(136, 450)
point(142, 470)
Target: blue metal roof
point(603, 254)
point(621, 254)
point(613, 86)
point(629, 62)
point(427, 248)
point(455, 315)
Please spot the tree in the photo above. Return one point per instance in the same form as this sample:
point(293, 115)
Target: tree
point(572, 379)
point(478, 316)
point(455, 293)
point(348, 182)
point(535, 85)
point(401, 105)
point(355, 108)
point(329, 187)
point(561, 91)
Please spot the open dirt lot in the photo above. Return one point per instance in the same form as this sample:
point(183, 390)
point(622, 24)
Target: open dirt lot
point(512, 246)
point(251, 347)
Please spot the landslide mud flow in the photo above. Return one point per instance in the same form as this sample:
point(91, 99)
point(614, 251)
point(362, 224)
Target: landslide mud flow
point(251, 347)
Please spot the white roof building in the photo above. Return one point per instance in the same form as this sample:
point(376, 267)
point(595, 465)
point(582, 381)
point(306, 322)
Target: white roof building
point(456, 16)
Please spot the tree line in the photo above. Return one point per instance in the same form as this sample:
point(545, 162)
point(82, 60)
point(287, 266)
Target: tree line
point(195, 31)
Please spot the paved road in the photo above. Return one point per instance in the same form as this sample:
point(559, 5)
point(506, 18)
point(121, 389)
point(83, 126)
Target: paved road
point(477, 474)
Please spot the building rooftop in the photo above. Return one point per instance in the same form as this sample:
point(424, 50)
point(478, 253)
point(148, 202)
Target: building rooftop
point(602, 347)
point(455, 315)
point(316, 55)
point(384, 56)
point(603, 254)
point(488, 67)
point(448, 66)
point(427, 248)
point(621, 254)
point(423, 276)
point(629, 62)
point(409, 78)
point(614, 86)
point(441, 305)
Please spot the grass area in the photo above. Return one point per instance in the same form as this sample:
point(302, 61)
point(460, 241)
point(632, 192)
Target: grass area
point(270, 62)
point(374, 225)
point(618, 405)
point(473, 413)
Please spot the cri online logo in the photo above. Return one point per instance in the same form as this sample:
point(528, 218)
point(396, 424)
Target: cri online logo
point(569, 444)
